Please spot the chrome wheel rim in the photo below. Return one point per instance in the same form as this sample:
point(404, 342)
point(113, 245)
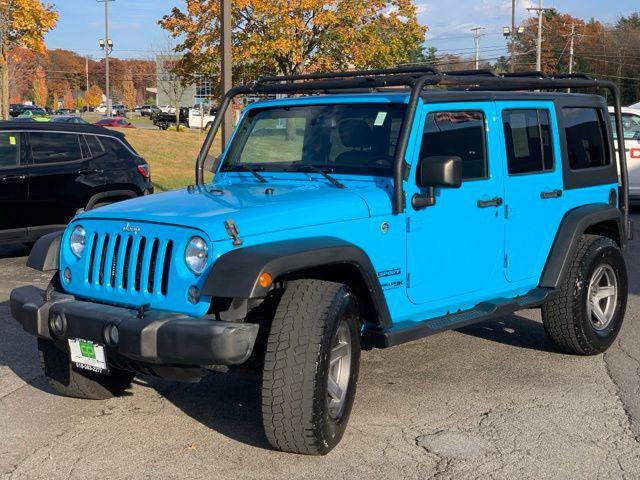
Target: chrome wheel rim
point(602, 297)
point(339, 370)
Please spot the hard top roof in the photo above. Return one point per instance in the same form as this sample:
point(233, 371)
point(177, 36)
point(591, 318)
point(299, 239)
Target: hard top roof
point(58, 127)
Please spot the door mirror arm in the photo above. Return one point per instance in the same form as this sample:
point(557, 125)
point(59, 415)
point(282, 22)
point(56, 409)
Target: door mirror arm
point(437, 171)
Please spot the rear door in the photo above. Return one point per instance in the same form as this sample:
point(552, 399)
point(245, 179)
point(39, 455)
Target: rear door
point(533, 187)
point(13, 187)
point(60, 179)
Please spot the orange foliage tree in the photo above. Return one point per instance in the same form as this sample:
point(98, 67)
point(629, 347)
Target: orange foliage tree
point(40, 91)
point(294, 36)
point(22, 23)
point(129, 93)
point(67, 99)
point(93, 97)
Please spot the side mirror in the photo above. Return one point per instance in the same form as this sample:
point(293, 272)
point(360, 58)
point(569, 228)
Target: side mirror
point(441, 171)
point(437, 171)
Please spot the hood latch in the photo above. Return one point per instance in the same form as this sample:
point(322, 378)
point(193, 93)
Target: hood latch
point(232, 231)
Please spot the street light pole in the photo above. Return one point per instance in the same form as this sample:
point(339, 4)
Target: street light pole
point(107, 47)
point(512, 60)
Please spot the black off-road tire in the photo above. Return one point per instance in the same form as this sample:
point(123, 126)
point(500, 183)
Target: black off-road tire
point(565, 318)
point(69, 382)
point(295, 407)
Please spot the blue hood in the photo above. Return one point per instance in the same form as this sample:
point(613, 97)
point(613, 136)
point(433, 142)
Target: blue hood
point(290, 206)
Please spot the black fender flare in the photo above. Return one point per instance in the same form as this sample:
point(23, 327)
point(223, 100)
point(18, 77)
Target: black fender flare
point(235, 274)
point(573, 225)
point(95, 199)
point(45, 254)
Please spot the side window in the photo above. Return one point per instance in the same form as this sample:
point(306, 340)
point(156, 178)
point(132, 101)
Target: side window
point(115, 147)
point(95, 146)
point(528, 141)
point(9, 149)
point(460, 134)
point(54, 147)
point(585, 133)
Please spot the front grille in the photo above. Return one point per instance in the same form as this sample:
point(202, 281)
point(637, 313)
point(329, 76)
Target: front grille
point(129, 262)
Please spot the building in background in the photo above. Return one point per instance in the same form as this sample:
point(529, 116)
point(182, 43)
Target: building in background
point(170, 88)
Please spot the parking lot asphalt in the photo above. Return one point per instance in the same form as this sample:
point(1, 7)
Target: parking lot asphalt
point(493, 400)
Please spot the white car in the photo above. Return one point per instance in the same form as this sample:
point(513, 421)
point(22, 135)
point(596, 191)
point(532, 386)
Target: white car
point(101, 109)
point(631, 126)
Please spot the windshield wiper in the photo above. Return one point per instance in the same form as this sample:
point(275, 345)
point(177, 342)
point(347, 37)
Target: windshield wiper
point(321, 172)
point(253, 172)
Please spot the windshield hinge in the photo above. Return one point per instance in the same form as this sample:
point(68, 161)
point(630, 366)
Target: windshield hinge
point(232, 231)
point(408, 224)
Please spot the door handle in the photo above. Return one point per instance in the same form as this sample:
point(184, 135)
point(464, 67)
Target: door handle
point(13, 178)
point(88, 171)
point(493, 202)
point(552, 194)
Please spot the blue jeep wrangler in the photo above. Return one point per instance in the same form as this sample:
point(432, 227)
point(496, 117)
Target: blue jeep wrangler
point(364, 210)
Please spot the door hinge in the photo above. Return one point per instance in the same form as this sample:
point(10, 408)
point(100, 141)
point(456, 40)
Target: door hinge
point(408, 224)
point(408, 279)
point(506, 211)
point(506, 260)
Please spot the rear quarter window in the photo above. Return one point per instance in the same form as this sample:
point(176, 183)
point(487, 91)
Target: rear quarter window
point(585, 136)
point(115, 147)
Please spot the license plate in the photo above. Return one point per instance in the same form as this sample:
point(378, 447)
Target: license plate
point(88, 355)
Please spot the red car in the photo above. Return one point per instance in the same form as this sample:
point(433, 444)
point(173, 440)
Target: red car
point(115, 122)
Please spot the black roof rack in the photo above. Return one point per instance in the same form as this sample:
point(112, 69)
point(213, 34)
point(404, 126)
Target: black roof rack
point(417, 78)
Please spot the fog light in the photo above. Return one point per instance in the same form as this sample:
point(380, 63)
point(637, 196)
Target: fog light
point(111, 335)
point(67, 275)
point(194, 294)
point(57, 324)
point(265, 279)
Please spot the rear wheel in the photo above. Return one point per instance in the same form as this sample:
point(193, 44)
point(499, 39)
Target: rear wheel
point(586, 315)
point(67, 381)
point(311, 367)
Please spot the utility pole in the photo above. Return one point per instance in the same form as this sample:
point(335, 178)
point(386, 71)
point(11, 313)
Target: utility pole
point(86, 72)
point(225, 70)
point(476, 39)
point(540, 10)
point(107, 46)
point(573, 33)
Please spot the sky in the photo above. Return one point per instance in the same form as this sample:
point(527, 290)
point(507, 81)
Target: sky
point(135, 33)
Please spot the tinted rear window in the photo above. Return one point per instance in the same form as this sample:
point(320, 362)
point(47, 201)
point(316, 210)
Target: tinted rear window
point(54, 147)
point(585, 132)
point(115, 147)
point(95, 146)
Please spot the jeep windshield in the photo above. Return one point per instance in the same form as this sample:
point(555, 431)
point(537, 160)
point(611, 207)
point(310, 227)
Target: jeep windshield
point(338, 138)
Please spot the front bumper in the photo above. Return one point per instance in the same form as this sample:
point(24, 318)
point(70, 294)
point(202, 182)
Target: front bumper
point(160, 338)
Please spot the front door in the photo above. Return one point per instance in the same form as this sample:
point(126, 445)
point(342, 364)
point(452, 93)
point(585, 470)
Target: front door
point(533, 189)
point(14, 188)
point(455, 247)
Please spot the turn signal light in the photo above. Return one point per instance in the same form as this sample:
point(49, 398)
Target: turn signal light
point(265, 279)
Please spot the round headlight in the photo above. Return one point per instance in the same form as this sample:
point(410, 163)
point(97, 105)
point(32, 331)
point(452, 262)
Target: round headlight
point(196, 255)
point(77, 241)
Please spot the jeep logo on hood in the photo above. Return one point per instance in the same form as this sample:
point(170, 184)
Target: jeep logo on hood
point(131, 228)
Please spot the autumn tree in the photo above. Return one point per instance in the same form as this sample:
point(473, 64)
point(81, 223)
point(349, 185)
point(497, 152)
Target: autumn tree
point(67, 98)
point(129, 94)
point(93, 97)
point(40, 92)
point(293, 36)
point(23, 23)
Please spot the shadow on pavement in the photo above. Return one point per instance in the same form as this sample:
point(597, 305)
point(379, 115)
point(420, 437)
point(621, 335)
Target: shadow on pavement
point(18, 351)
point(16, 250)
point(227, 403)
point(513, 330)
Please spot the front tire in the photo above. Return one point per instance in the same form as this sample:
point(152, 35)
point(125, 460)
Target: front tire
point(586, 315)
point(69, 382)
point(311, 367)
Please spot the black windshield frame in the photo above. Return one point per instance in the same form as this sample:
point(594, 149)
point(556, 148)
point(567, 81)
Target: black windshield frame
point(385, 136)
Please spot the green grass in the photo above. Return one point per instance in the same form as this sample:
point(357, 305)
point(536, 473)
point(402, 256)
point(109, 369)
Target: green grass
point(170, 155)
